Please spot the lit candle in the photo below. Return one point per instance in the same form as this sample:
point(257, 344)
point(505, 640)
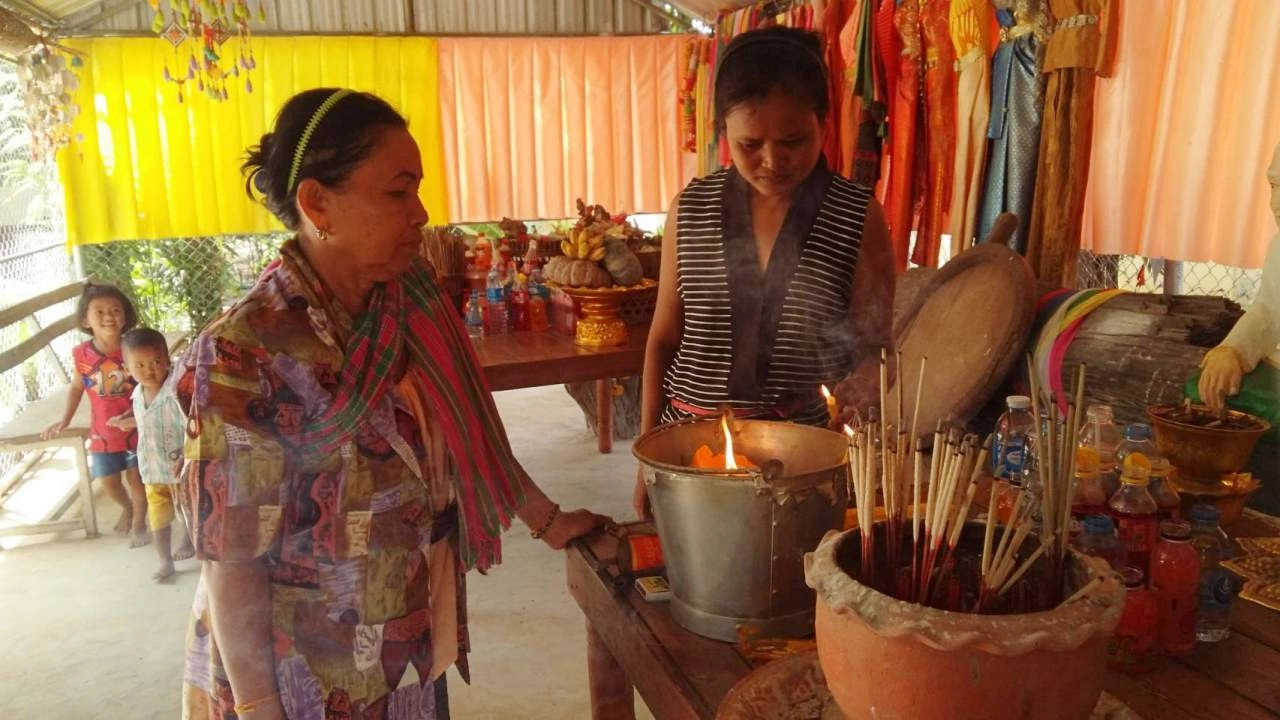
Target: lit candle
point(832, 411)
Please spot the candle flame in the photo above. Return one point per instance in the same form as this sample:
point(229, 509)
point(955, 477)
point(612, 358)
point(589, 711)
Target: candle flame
point(848, 431)
point(826, 394)
point(730, 462)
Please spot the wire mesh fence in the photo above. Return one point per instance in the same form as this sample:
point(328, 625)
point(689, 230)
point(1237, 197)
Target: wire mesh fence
point(182, 283)
point(33, 259)
point(1156, 275)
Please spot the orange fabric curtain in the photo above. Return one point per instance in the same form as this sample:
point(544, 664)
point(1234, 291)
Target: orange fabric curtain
point(1183, 132)
point(532, 124)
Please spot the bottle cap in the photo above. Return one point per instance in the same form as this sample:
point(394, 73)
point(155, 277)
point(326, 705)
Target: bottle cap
point(1088, 460)
point(1099, 412)
point(1132, 577)
point(1160, 467)
point(1018, 402)
point(1205, 514)
point(1137, 432)
point(1137, 461)
point(1177, 530)
point(1099, 525)
point(1134, 474)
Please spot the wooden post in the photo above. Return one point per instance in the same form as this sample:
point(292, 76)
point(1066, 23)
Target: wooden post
point(612, 697)
point(89, 517)
point(604, 415)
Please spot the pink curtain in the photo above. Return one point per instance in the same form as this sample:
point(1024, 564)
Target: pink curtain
point(531, 124)
point(1183, 132)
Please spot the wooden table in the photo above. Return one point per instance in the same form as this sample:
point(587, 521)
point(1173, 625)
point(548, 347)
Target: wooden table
point(681, 676)
point(532, 359)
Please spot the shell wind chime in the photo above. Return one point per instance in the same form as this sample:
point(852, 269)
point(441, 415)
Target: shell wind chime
point(46, 72)
point(201, 27)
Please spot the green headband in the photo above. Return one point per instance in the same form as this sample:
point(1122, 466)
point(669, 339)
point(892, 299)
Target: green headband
point(310, 130)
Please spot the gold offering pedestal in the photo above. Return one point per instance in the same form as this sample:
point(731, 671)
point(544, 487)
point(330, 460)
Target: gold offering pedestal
point(600, 322)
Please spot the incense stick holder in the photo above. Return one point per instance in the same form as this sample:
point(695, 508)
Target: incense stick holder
point(883, 657)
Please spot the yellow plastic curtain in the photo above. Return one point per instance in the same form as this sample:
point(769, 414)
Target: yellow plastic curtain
point(533, 124)
point(146, 166)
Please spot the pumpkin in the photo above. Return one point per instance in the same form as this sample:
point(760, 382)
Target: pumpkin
point(622, 264)
point(576, 273)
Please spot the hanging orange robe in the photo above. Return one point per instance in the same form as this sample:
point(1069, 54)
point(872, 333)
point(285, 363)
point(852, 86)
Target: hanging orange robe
point(970, 22)
point(835, 14)
point(940, 134)
point(1080, 50)
point(900, 195)
point(850, 104)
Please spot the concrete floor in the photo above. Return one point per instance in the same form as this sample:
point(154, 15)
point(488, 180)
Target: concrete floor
point(86, 634)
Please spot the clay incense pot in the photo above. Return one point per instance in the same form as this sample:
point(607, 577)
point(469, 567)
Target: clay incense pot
point(892, 660)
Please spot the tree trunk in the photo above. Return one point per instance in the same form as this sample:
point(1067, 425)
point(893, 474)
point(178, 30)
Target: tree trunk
point(626, 405)
point(1141, 348)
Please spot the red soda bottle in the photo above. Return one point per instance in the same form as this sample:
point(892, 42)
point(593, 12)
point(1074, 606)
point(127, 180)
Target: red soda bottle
point(1130, 649)
point(1134, 511)
point(1175, 579)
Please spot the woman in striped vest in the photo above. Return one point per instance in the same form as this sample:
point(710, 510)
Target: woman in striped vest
point(777, 275)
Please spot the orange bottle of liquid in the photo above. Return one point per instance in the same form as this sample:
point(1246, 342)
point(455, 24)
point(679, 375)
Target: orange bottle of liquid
point(1131, 648)
point(1175, 579)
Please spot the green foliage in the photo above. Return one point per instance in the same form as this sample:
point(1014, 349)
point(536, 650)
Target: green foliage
point(181, 283)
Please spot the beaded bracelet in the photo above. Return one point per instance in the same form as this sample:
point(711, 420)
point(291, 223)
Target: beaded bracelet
point(546, 525)
point(251, 707)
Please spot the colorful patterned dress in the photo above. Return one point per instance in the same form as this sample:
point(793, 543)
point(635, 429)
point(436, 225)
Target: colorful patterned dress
point(905, 175)
point(940, 130)
point(1014, 128)
point(1080, 50)
point(360, 545)
point(969, 23)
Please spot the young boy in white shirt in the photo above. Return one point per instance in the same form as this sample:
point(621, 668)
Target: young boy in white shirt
point(161, 425)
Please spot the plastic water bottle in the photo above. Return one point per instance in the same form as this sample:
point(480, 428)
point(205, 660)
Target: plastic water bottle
point(538, 300)
point(1102, 436)
point(496, 307)
point(1137, 439)
point(1098, 538)
point(475, 315)
point(1011, 448)
point(1162, 490)
point(1175, 579)
point(1217, 587)
point(1134, 512)
point(519, 305)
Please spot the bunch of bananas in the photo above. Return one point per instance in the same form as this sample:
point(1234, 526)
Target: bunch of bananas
point(583, 245)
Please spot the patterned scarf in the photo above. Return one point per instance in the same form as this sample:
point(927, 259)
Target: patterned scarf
point(409, 321)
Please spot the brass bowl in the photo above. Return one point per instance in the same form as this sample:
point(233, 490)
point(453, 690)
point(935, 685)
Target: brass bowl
point(599, 321)
point(1204, 454)
point(1229, 495)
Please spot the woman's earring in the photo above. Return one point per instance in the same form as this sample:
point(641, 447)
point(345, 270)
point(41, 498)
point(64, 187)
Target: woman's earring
point(321, 234)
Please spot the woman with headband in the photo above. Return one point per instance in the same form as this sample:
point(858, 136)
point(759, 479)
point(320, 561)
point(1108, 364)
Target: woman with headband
point(346, 464)
point(777, 275)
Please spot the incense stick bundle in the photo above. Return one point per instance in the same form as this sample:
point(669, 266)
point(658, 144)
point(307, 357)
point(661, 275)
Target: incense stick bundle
point(991, 527)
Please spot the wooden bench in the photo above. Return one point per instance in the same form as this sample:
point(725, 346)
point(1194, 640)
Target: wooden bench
point(22, 433)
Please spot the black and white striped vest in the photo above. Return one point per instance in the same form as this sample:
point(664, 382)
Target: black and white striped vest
point(801, 326)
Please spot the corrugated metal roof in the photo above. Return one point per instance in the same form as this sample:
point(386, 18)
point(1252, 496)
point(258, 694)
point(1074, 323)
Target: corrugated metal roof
point(55, 9)
point(479, 17)
point(708, 8)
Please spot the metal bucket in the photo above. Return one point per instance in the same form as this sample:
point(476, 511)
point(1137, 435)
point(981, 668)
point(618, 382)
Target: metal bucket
point(734, 540)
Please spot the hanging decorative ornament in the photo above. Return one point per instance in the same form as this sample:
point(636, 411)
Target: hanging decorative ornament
point(202, 28)
point(47, 82)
